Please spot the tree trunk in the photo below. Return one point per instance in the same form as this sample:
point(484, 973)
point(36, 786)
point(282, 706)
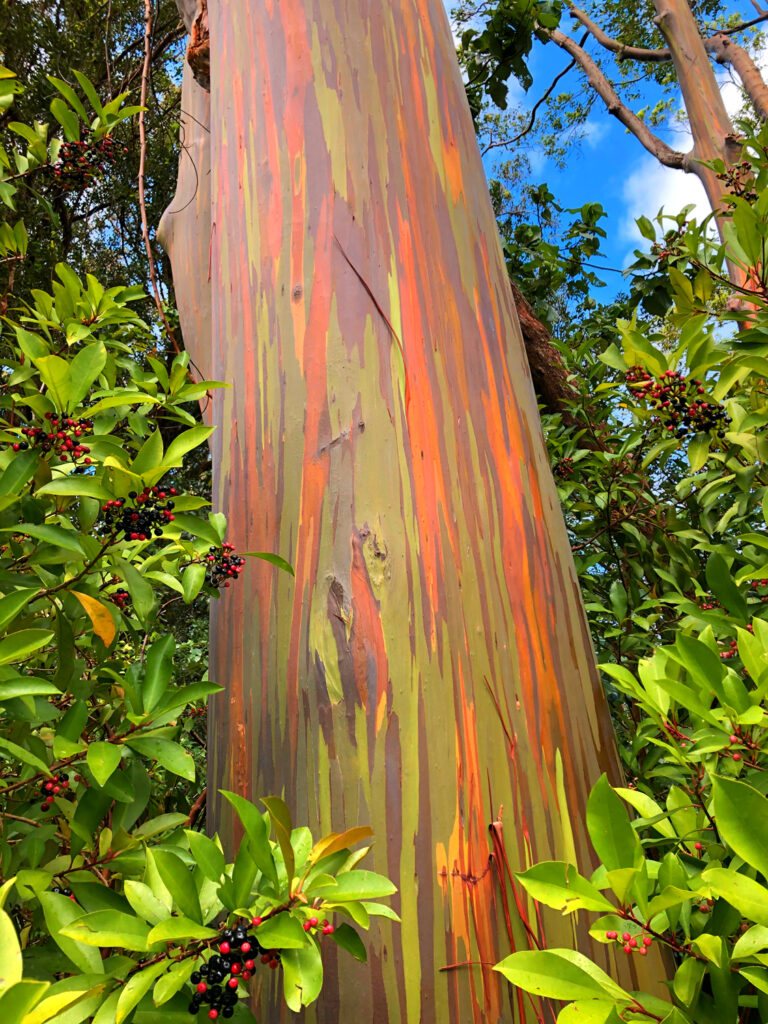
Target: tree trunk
point(429, 664)
point(714, 137)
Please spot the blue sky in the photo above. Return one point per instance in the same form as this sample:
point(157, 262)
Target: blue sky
point(610, 166)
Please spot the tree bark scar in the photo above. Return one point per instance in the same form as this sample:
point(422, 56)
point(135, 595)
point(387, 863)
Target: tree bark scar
point(199, 48)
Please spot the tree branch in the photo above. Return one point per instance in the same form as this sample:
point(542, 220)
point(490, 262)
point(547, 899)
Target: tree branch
point(726, 51)
point(624, 51)
point(540, 100)
point(656, 147)
point(142, 165)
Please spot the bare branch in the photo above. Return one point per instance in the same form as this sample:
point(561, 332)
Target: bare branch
point(726, 51)
point(540, 100)
point(624, 52)
point(655, 146)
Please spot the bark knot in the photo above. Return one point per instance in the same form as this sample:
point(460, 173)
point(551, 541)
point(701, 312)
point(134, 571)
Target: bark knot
point(199, 48)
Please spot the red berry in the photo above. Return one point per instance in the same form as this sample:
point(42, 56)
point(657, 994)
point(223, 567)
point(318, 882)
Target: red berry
point(313, 921)
point(232, 983)
point(307, 926)
point(245, 975)
point(245, 947)
point(626, 937)
point(213, 1014)
point(633, 943)
point(736, 757)
point(273, 964)
point(643, 951)
point(235, 968)
point(647, 940)
point(202, 987)
point(627, 948)
point(255, 921)
point(733, 738)
point(698, 846)
point(611, 935)
point(266, 958)
point(249, 965)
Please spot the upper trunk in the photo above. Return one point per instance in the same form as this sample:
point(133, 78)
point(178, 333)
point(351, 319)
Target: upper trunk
point(430, 662)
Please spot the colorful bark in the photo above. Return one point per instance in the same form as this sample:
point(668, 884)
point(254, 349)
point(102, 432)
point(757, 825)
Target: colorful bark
point(429, 664)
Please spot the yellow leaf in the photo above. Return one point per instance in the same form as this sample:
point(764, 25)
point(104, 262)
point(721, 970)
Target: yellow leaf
point(98, 613)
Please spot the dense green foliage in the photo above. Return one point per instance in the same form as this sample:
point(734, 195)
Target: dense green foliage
point(661, 471)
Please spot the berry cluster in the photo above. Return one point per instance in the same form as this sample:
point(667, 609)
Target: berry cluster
point(312, 923)
point(60, 436)
point(673, 399)
point(731, 651)
point(64, 892)
point(710, 604)
point(739, 181)
point(51, 788)
point(631, 943)
point(563, 469)
point(79, 163)
point(146, 514)
point(121, 598)
point(216, 982)
point(222, 566)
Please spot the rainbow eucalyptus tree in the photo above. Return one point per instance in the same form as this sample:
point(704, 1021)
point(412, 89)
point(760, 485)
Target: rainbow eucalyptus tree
point(428, 671)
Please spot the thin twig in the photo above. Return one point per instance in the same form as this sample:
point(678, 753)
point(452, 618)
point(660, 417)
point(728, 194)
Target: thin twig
point(142, 165)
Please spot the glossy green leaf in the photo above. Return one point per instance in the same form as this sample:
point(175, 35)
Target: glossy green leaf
point(106, 928)
point(560, 886)
point(179, 882)
point(256, 830)
point(559, 974)
point(741, 814)
point(615, 841)
point(169, 984)
point(346, 937)
point(281, 932)
point(302, 976)
point(158, 668)
point(176, 929)
point(18, 646)
point(167, 753)
point(137, 987)
point(103, 759)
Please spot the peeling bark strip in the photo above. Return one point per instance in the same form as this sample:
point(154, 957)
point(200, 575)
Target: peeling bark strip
point(430, 661)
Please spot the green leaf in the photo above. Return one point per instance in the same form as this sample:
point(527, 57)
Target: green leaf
point(281, 932)
point(84, 370)
point(107, 928)
point(144, 902)
point(76, 486)
point(10, 952)
point(142, 594)
point(746, 895)
point(741, 814)
point(57, 535)
point(136, 988)
point(150, 455)
point(19, 999)
point(559, 885)
point(70, 96)
point(54, 373)
point(267, 556)
point(12, 604)
point(589, 1011)
point(192, 579)
point(180, 884)
point(345, 936)
point(90, 92)
point(256, 830)
point(157, 671)
point(170, 983)
point(60, 912)
point(207, 854)
point(24, 755)
point(281, 822)
point(722, 586)
point(559, 974)
point(752, 941)
point(66, 118)
point(185, 442)
point(615, 841)
point(356, 885)
point(174, 929)
point(18, 646)
point(18, 472)
point(103, 759)
point(757, 976)
point(167, 753)
point(302, 976)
